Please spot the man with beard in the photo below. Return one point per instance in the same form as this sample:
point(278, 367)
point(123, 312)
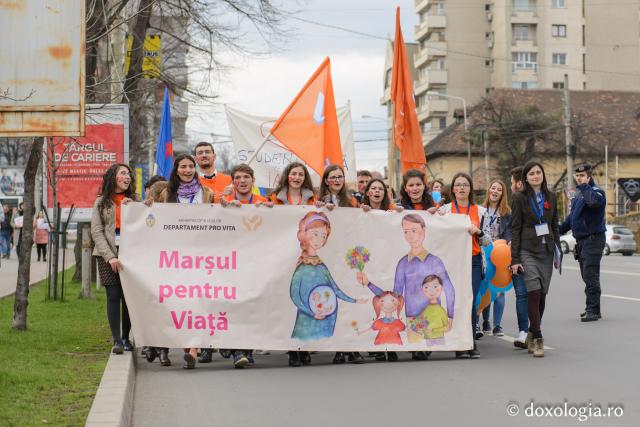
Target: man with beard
point(215, 181)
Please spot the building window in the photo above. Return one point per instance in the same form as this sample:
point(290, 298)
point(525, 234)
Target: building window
point(522, 5)
point(558, 30)
point(442, 122)
point(438, 8)
point(426, 127)
point(524, 85)
point(521, 32)
point(559, 59)
point(524, 61)
point(558, 85)
point(438, 64)
point(558, 4)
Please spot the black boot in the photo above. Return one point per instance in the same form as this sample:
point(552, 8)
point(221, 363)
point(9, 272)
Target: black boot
point(355, 357)
point(339, 359)
point(294, 359)
point(164, 357)
point(150, 353)
point(205, 355)
point(305, 357)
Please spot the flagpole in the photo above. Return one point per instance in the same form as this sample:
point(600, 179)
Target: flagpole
point(255, 153)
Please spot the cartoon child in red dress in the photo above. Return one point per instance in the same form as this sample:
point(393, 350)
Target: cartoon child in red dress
point(388, 326)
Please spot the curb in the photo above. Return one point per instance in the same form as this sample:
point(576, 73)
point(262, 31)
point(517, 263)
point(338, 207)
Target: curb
point(113, 404)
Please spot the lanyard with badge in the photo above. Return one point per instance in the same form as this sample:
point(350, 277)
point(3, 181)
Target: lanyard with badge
point(542, 228)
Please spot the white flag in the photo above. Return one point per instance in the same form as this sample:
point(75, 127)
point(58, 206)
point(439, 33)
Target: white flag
point(248, 131)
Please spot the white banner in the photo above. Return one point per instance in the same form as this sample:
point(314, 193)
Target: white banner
point(248, 131)
point(291, 277)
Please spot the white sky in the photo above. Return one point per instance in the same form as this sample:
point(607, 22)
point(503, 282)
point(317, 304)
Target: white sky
point(266, 85)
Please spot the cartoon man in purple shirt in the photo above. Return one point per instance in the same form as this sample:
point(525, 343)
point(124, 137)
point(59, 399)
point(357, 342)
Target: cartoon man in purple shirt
point(411, 271)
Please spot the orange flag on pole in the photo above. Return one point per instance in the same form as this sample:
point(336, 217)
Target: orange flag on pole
point(309, 126)
point(406, 129)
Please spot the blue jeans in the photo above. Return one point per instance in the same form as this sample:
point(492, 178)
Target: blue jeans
point(498, 310)
point(520, 289)
point(476, 278)
point(5, 243)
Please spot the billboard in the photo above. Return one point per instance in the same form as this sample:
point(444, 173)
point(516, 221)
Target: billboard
point(42, 77)
point(81, 162)
point(11, 181)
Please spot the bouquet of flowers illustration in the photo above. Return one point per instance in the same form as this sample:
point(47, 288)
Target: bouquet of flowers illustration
point(357, 257)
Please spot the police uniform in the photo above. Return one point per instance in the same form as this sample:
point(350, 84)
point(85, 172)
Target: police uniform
point(587, 223)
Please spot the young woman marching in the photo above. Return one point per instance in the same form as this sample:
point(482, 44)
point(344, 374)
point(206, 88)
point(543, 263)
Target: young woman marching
point(495, 224)
point(462, 204)
point(118, 187)
point(295, 187)
point(184, 187)
point(377, 197)
point(333, 192)
point(534, 227)
point(414, 194)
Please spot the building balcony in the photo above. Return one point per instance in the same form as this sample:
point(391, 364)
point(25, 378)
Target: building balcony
point(524, 17)
point(529, 45)
point(421, 5)
point(431, 23)
point(434, 107)
point(420, 86)
point(436, 48)
point(437, 77)
point(420, 58)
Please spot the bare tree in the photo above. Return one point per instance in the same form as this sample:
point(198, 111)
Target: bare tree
point(24, 264)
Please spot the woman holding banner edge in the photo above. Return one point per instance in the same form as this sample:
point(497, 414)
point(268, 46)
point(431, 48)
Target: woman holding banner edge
point(118, 187)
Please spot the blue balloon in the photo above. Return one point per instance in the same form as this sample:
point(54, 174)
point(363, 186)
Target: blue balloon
point(436, 196)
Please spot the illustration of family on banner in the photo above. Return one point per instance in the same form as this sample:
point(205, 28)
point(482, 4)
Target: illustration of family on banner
point(296, 277)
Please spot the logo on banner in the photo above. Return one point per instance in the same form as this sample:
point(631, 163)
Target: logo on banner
point(151, 221)
point(252, 223)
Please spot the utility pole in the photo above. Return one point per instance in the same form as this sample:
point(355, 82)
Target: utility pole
point(571, 149)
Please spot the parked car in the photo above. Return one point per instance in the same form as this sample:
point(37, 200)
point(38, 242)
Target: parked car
point(619, 239)
point(567, 243)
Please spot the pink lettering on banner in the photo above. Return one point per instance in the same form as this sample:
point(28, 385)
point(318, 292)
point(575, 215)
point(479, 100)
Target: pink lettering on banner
point(206, 291)
point(188, 320)
point(189, 262)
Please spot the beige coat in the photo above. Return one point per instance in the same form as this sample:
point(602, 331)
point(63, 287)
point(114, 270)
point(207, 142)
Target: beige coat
point(103, 231)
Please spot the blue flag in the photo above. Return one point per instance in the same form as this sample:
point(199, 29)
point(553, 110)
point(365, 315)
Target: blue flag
point(164, 148)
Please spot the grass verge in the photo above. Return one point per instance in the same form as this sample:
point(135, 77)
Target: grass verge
point(49, 373)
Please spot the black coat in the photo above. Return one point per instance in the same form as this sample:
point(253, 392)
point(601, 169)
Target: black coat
point(523, 221)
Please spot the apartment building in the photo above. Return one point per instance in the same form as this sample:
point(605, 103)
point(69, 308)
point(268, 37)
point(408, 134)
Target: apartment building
point(466, 48)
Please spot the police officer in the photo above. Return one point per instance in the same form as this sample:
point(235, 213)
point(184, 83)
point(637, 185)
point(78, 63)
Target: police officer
point(587, 223)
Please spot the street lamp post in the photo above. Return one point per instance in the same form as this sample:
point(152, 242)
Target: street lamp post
point(464, 112)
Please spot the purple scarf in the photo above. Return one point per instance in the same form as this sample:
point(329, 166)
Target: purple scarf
point(188, 189)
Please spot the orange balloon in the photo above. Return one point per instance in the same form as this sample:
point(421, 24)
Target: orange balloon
point(502, 278)
point(501, 256)
point(499, 242)
point(485, 301)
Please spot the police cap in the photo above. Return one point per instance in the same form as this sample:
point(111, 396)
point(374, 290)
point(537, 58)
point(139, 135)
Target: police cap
point(585, 167)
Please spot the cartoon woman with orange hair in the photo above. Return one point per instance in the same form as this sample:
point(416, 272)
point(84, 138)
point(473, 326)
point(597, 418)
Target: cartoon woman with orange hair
point(313, 290)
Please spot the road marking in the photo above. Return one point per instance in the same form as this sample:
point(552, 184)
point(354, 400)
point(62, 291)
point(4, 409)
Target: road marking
point(619, 297)
point(621, 273)
point(512, 339)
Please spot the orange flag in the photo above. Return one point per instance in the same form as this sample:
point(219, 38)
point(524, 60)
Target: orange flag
point(406, 135)
point(309, 126)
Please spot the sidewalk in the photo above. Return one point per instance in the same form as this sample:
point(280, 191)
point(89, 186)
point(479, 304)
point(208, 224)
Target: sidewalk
point(9, 270)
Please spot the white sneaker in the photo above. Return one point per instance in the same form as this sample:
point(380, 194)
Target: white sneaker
point(522, 337)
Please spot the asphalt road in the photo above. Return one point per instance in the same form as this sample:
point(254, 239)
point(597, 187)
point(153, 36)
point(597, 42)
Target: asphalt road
point(589, 364)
